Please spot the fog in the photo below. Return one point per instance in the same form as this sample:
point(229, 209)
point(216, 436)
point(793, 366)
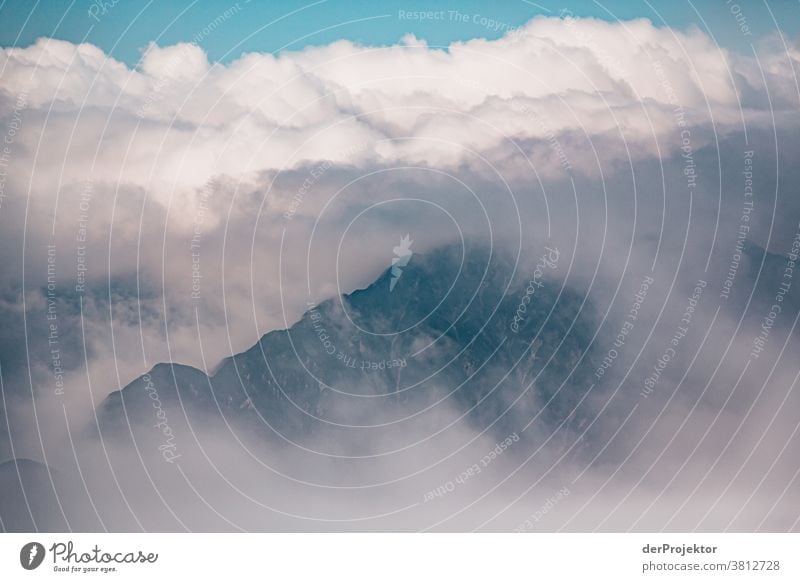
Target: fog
point(154, 216)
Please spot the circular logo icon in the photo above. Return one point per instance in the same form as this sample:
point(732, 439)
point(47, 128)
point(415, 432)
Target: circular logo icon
point(31, 555)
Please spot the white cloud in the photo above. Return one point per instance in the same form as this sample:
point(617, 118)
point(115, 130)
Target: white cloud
point(175, 120)
point(576, 94)
point(264, 162)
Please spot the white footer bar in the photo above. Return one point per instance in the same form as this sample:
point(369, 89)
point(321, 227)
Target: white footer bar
point(400, 557)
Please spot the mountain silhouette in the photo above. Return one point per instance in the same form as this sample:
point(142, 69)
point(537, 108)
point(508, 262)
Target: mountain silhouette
point(442, 335)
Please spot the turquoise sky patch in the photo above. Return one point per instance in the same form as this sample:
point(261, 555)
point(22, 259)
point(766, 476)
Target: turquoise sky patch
point(227, 29)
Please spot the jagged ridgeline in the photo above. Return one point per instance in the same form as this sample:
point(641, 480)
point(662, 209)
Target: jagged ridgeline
point(439, 334)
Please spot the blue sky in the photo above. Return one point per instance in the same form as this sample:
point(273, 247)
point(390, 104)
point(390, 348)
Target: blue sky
point(123, 27)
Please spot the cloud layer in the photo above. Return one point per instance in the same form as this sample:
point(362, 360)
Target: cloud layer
point(178, 210)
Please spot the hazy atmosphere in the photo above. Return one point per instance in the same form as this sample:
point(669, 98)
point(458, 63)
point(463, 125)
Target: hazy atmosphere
point(394, 266)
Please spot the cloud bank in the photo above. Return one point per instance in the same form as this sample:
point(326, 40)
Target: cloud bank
point(180, 209)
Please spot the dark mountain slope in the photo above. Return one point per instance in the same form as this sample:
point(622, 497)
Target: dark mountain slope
point(443, 335)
